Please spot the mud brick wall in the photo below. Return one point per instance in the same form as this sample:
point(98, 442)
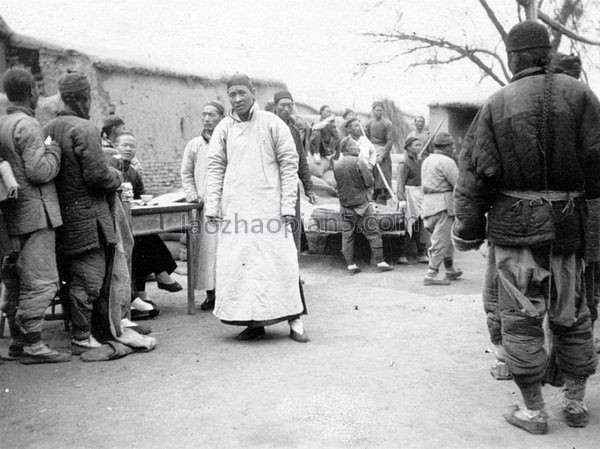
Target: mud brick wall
point(161, 177)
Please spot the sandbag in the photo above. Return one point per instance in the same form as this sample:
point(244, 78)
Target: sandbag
point(317, 169)
point(322, 189)
point(329, 178)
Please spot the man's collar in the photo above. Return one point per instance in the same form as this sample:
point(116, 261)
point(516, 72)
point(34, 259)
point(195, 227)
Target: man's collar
point(206, 135)
point(14, 108)
point(236, 116)
point(531, 71)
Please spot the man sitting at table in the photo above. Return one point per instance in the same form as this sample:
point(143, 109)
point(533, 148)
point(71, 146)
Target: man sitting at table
point(150, 254)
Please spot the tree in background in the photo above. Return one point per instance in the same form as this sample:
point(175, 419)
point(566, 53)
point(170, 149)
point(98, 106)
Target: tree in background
point(566, 21)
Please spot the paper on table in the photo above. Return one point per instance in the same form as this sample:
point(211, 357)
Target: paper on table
point(9, 188)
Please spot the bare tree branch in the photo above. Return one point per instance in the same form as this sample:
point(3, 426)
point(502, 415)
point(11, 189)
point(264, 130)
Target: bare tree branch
point(497, 57)
point(437, 61)
point(492, 16)
point(564, 30)
point(465, 51)
point(569, 9)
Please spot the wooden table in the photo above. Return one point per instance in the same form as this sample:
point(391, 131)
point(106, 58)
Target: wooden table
point(174, 217)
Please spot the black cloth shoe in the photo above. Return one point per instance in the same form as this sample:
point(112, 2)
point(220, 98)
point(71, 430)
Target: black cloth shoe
point(144, 314)
point(208, 304)
point(300, 338)
point(252, 333)
point(174, 287)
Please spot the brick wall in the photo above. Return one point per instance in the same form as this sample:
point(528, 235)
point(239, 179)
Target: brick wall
point(161, 177)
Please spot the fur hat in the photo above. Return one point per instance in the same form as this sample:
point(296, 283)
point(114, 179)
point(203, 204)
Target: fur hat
point(526, 35)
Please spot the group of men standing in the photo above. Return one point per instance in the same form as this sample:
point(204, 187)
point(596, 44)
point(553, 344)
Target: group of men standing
point(526, 178)
point(62, 210)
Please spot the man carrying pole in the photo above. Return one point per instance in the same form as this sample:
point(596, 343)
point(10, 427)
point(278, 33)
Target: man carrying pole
point(380, 132)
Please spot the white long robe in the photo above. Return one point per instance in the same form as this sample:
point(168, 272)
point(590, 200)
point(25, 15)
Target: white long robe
point(252, 182)
point(204, 242)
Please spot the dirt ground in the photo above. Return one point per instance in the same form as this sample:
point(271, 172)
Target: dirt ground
point(391, 364)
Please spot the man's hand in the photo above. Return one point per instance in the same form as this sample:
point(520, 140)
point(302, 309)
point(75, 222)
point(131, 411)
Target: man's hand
point(379, 159)
point(312, 199)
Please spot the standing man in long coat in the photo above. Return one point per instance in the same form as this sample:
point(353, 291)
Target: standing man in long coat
point(252, 188)
point(194, 171)
point(530, 161)
point(380, 132)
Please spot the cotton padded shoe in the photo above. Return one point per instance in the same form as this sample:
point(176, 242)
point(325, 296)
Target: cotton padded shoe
point(353, 269)
point(430, 280)
point(15, 352)
point(453, 274)
point(300, 338)
point(402, 260)
point(173, 287)
point(384, 266)
point(533, 421)
point(42, 353)
point(252, 333)
point(422, 259)
point(576, 413)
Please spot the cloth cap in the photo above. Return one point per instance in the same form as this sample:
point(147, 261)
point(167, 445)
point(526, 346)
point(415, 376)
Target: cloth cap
point(349, 144)
point(409, 141)
point(239, 79)
point(348, 123)
point(217, 105)
point(73, 81)
point(527, 34)
point(443, 139)
point(281, 95)
point(112, 120)
point(377, 103)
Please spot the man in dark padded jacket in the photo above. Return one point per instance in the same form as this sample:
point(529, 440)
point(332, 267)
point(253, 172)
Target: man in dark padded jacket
point(531, 159)
point(84, 184)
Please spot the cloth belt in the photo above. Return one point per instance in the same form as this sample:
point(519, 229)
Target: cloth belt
point(551, 196)
point(545, 195)
point(428, 190)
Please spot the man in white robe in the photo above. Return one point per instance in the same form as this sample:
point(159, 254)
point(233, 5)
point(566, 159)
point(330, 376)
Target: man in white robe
point(252, 189)
point(194, 180)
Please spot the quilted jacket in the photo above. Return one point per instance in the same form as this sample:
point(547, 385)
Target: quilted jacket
point(503, 150)
point(34, 166)
point(83, 184)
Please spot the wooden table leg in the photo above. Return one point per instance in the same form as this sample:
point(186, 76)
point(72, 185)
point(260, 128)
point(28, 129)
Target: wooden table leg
point(191, 269)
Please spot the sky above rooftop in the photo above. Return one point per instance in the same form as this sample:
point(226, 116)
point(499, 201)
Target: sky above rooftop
point(315, 47)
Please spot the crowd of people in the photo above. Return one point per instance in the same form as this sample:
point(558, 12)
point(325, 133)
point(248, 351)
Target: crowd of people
point(526, 182)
